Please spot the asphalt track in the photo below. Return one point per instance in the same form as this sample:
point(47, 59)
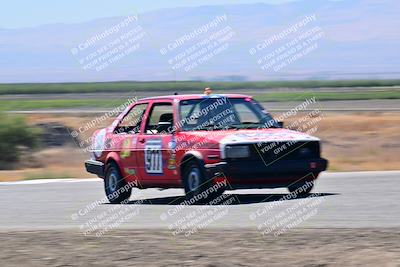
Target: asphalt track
point(343, 200)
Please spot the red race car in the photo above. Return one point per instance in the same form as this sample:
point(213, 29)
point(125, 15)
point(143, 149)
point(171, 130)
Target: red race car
point(204, 144)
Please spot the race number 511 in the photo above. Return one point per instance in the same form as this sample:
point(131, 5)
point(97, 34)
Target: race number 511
point(153, 157)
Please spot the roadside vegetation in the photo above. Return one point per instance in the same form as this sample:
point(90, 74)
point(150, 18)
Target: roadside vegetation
point(7, 105)
point(15, 138)
point(328, 96)
point(180, 86)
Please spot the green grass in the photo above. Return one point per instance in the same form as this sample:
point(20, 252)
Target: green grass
point(6, 105)
point(326, 96)
point(47, 175)
point(40, 88)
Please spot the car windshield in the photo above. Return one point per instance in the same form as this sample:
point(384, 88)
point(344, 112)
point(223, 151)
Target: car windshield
point(223, 113)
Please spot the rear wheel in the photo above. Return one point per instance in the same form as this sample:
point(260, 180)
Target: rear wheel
point(197, 188)
point(301, 188)
point(117, 190)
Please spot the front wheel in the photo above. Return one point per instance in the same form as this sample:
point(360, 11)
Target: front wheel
point(117, 190)
point(197, 188)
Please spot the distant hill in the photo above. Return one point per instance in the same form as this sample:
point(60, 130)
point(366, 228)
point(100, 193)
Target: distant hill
point(360, 40)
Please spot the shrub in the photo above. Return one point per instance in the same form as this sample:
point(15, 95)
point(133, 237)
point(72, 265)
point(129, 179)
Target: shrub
point(15, 135)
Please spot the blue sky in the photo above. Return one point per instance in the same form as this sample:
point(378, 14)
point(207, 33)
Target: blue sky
point(28, 13)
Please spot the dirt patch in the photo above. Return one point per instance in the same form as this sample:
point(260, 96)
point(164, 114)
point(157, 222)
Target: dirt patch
point(360, 142)
point(307, 247)
point(54, 134)
point(58, 162)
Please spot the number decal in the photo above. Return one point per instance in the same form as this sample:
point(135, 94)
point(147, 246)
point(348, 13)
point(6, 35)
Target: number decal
point(153, 157)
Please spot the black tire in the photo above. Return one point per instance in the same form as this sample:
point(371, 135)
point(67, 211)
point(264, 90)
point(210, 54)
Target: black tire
point(301, 188)
point(117, 190)
point(197, 188)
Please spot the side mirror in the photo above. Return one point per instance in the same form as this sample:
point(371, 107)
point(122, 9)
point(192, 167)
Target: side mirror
point(280, 124)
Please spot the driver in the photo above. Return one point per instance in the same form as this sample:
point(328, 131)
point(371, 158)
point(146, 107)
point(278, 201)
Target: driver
point(207, 91)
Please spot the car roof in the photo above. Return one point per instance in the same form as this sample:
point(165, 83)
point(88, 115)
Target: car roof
point(194, 96)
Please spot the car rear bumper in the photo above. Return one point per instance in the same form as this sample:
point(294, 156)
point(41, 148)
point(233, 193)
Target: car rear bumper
point(95, 167)
point(258, 174)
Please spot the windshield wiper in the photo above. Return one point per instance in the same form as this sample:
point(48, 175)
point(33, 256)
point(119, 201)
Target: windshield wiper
point(254, 125)
point(246, 125)
point(227, 127)
point(268, 125)
point(214, 128)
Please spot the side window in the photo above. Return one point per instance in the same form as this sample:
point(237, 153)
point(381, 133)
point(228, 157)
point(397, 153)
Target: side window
point(130, 124)
point(160, 120)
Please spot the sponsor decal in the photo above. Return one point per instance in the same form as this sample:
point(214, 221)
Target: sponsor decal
point(172, 144)
point(130, 171)
point(172, 162)
point(126, 148)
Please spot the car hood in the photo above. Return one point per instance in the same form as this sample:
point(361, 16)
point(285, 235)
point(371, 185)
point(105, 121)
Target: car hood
point(246, 136)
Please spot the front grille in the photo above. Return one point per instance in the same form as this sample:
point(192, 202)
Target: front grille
point(285, 150)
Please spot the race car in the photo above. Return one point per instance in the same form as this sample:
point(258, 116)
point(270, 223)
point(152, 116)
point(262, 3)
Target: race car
point(203, 143)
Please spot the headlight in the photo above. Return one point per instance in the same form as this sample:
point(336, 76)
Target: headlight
point(237, 151)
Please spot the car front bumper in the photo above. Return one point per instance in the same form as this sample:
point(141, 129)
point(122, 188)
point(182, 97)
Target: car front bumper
point(259, 174)
point(95, 167)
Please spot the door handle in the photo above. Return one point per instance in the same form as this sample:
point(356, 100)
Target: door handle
point(142, 140)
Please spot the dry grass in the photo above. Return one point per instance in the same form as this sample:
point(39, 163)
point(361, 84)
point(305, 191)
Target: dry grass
point(364, 141)
point(65, 162)
point(351, 142)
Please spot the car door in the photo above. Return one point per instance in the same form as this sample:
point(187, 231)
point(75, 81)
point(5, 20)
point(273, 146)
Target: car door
point(125, 138)
point(156, 146)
